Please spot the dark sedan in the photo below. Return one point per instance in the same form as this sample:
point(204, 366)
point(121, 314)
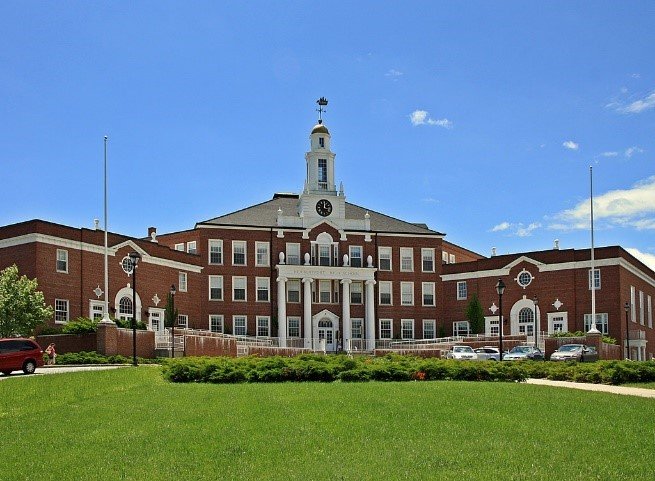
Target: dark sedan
point(522, 353)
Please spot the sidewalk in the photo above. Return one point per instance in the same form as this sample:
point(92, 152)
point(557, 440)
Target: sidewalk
point(626, 391)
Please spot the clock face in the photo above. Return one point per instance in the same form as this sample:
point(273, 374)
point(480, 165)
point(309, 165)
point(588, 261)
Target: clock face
point(323, 207)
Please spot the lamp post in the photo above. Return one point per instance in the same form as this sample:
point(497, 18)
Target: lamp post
point(134, 259)
point(627, 330)
point(500, 289)
point(173, 291)
point(535, 300)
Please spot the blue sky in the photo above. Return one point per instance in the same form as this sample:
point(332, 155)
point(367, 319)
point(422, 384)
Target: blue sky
point(480, 119)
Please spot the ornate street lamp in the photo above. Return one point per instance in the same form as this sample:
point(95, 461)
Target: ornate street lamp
point(135, 257)
point(535, 300)
point(627, 330)
point(173, 291)
point(500, 289)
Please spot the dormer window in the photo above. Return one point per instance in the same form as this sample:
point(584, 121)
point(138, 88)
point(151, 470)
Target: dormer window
point(321, 142)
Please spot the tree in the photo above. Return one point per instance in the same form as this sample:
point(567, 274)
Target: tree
point(22, 306)
point(170, 315)
point(475, 315)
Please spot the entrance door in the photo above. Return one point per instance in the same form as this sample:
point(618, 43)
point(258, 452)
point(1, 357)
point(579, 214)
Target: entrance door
point(326, 332)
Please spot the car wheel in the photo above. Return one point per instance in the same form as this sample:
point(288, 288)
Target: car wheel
point(29, 367)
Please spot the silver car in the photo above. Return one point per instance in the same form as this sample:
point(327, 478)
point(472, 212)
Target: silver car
point(462, 353)
point(488, 353)
point(520, 353)
point(575, 352)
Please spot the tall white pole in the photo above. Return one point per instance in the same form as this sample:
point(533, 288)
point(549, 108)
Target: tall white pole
point(593, 272)
point(105, 317)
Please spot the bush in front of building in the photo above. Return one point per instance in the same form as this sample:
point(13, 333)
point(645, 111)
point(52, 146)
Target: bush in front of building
point(92, 357)
point(81, 325)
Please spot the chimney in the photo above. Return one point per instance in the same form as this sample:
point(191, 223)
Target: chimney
point(96, 224)
point(493, 252)
point(556, 246)
point(152, 233)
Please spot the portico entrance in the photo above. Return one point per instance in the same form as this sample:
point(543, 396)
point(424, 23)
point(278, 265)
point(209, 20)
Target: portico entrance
point(326, 331)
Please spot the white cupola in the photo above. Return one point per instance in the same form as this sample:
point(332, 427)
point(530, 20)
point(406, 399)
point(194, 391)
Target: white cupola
point(320, 159)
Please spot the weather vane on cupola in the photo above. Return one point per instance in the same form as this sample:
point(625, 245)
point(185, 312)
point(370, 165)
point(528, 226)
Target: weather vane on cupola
point(322, 102)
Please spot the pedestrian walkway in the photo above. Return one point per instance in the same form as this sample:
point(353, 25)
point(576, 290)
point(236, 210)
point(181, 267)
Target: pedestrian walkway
point(625, 390)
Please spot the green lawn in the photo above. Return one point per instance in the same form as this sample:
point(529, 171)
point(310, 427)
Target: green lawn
point(131, 424)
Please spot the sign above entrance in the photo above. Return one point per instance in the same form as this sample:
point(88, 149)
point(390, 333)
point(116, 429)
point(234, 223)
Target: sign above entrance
point(322, 272)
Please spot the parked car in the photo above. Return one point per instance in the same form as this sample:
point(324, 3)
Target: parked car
point(522, 353)
point(488, 353)
point(462, 353)
point(17, 354)
point(575, 352)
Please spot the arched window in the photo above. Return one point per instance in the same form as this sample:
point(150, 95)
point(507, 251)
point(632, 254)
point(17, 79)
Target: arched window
point(325, 323)
point(526, 321)
point(125, 308)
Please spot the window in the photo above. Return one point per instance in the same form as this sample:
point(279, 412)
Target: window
point(633, 304)
point(356, 331)
point(322, 174)
point(293, 324)
point(263, 326)
point(356, 256)
point(215, 251)
point(428, 293)
point(239, 323)
point(324, 255)
point(239, 289)
point(386, 330)
point(407, 328)
point(462, 290)
point(325, 291)
point(650, 312)
point(192, 247)
point(429, 329)
point(356, 289)
point(182, 282)
point(428, 260)
point(526, 321)
point(524, 279)
point(97, 310)
point(293, 291)
point(183, 321)
point(493, 326)
point(238, 253)
point(124, 308)
point(558, 324)
point(406, 259)
point(321, 142)
point(461, 328)
point(407, 293)
point(641, 308)
point(61, 310)
point(384, 258)
point(216, 323)
point(385, 293)
point(215, 288)
point(62, 261)
point(261, 257)
point(179, 247)
point(444, 257)
point(263, 287)
point(596, 279)
point(293, 253)
point(602, 323)
point(451, 258)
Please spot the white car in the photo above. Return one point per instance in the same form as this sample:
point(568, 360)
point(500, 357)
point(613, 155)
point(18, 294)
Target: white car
point(462, 353)
point(488, 353)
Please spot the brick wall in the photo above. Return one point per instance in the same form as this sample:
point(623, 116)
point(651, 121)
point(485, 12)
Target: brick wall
point(69, 342)
point(209, 346)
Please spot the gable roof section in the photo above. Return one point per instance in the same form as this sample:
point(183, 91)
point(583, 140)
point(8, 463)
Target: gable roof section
point(265, 215)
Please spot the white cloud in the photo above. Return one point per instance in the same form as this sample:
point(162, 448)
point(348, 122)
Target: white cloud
point(630, 151)
point(634, 207)
point(527, 231)
point(639, 106)
point(648, 259)
point(394, 74)
point(430, 200)
point(609, 154)
point(500, 227)
point(624, 90)
point(422, 117)
point(635, 75)
point(569, 144)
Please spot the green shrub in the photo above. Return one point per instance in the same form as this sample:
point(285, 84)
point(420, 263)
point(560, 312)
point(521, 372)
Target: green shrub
point(81, 325)
point(127, 324)
point(93, 357)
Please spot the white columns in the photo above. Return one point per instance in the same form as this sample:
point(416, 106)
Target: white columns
point(282, 310)
point(370, 315)
point(307, 311)
point(345, 299)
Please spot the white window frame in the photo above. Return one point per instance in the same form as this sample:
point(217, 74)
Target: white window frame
point(260, 325)
point(357, 290)
point(62, 256)
point(430, 286)
point(182, 284)
point(426, 328)
point(596, 279)
point(559, 317)
point(179, 246)
point(183, 321)
point(633, 304)
point(381, 291)
point(407, 327)
point(385, 253)
point(158, 314)
point(238, 244)
point(451, 258)
point(406, 293)
point(294, 282)
point(406, 254)
point(389, 329)
point(291, 330)
point(192, 247)
point(444, 257)
point(430, 258)
point(263, 284)
point(351, 256)
point(220, 320)
point(357, 328)
point(62, 311)
point(245, 288)
point(602, 322)
point(262, 259)
point(293, 254)
point(462, 290)
point(642, 313)
point(238, 317)
point(321, 284)
point(215, 246)
point(650, 311)
point(461, 328)
point(96, 307)
point(216, 282)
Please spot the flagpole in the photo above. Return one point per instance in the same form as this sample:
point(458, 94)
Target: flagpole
point(105, 317)
point(592, 274)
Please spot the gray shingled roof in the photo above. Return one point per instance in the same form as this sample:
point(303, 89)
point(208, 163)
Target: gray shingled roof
point(265, 215)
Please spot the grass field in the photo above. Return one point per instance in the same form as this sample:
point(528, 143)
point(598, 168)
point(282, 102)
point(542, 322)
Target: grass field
point(131, 424)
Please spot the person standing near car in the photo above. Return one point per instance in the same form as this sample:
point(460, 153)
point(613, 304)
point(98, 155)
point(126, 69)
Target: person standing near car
point(52, 354)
